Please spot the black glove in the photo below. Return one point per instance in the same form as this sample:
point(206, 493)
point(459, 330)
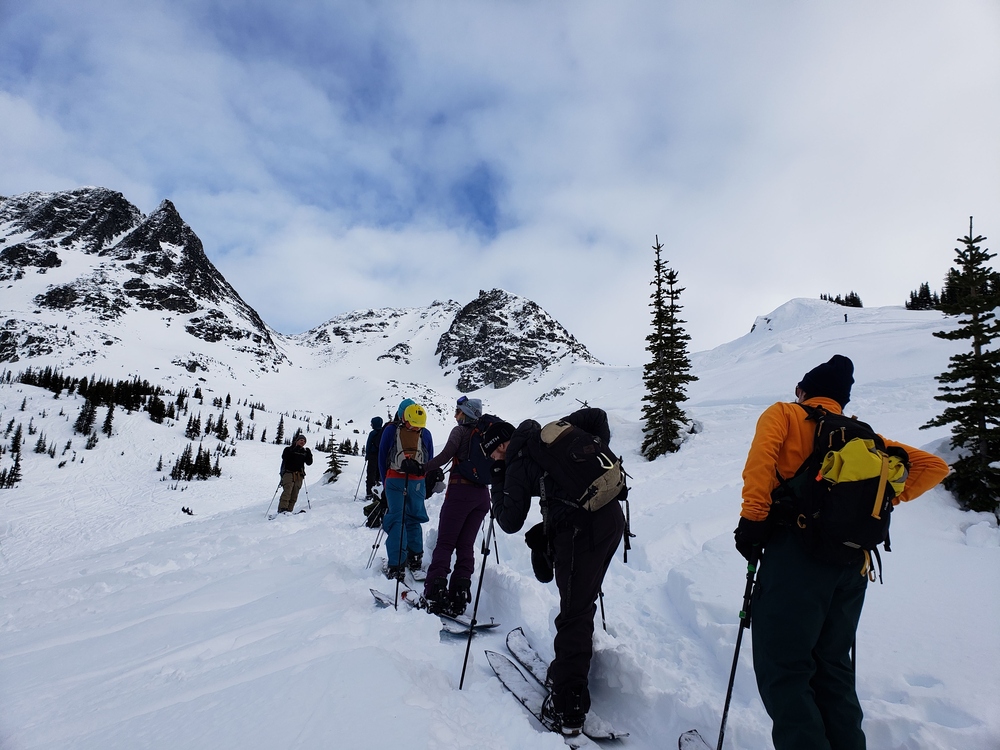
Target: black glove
point(751, 536)
point(412, 467)
point(538, 543)
point(435, 476)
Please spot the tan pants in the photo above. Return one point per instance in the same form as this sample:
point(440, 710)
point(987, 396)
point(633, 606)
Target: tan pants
point(291, 482)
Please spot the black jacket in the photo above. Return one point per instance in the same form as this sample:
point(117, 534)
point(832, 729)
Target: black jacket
point(371, 447)
point(294, 459)
point(522, 475)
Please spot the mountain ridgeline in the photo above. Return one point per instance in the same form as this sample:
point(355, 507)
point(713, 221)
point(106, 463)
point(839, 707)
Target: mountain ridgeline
point(89, 279)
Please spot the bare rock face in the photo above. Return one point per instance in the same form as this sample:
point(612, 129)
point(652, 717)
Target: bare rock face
point(500, 338)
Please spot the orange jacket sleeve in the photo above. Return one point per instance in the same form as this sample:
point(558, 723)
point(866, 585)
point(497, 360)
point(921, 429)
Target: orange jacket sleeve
point(925, 472)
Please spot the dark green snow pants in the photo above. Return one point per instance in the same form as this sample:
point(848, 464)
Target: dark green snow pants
point(805, 616)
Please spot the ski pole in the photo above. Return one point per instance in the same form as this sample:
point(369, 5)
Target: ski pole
point(305, 486)
point(402, 530)
point(604, 621)
point(378, 541)
point(744, 624)
point(482, 527)
point(479, 590)
point(268, 511)
point(364, 467)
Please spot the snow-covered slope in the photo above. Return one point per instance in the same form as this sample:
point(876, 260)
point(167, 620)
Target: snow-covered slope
point(129, 624)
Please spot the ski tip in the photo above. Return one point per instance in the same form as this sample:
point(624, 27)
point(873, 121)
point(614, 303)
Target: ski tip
point(692, 740)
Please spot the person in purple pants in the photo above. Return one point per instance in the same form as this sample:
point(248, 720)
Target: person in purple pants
point(465, 505)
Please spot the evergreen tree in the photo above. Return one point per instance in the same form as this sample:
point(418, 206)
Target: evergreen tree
point(923, 299)
point(15, 442)
point(157, 409)
point(14, 475)
point(280, 436)
point(193, 431)
point(182, 466)
point(40, 445)
point(106, 428)
point(85, 420)
point(334, 467)
point(91, 441)
point(971, 385)
point(203, 464)
point(668, 372)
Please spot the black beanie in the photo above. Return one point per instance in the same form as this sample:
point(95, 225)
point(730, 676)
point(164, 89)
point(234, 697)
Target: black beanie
point(495, 434)
point(831, 379)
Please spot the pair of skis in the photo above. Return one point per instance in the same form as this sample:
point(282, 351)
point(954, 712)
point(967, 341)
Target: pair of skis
point(293, 513)
point(452, 625)
point(531, 693)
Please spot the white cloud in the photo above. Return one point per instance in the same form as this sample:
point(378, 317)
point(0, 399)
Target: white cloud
point(351, 156)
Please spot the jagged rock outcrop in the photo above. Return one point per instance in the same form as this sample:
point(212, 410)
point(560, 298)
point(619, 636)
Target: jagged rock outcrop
point(93, 218)
point(500, 338)
point(154, 263)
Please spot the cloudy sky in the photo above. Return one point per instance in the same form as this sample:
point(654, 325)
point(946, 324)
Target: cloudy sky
point(344, 155)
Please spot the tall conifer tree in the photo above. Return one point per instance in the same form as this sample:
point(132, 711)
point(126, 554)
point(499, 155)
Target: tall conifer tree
point(971, 385)
point(668, 372)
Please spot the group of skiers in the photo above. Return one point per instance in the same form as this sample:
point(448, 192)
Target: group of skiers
point(806, 606)
point(572, 545)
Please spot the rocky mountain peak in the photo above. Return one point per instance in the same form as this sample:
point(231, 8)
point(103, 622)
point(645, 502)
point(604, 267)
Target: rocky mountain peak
point(154, 263)
point(500, 338)
point(91, 217)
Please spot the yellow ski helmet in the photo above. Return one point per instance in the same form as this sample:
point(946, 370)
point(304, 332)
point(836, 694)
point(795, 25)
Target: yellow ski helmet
point(415, 416)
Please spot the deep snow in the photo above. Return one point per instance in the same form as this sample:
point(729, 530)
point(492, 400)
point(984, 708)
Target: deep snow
point(127, 624)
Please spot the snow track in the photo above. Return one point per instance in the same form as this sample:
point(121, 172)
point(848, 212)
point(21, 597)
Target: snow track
point(127, 623)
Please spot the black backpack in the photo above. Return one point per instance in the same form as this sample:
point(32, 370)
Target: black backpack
point(840, 499)
point(586, 471)
point(477, 466)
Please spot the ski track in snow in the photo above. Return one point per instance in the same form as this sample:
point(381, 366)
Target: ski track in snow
point(127, 624)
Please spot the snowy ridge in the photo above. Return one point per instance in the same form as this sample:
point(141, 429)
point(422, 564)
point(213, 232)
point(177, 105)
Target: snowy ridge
point(127, 623)
point(95, 286)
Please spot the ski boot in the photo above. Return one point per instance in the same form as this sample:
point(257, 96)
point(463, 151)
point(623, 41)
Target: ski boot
point(459, 596)
point(567, 708)
point(415, 561)
point(436, 596)
point(394, 572)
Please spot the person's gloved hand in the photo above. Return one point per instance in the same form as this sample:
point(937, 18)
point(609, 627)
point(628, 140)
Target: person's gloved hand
point(412, 467)
point(434, 477)
point(751, 536)
point(538, 543)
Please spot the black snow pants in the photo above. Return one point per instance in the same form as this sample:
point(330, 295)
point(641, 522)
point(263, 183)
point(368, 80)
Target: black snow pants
point(581, 556)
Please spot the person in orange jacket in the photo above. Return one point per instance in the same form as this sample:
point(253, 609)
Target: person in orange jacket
point(805, 611)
